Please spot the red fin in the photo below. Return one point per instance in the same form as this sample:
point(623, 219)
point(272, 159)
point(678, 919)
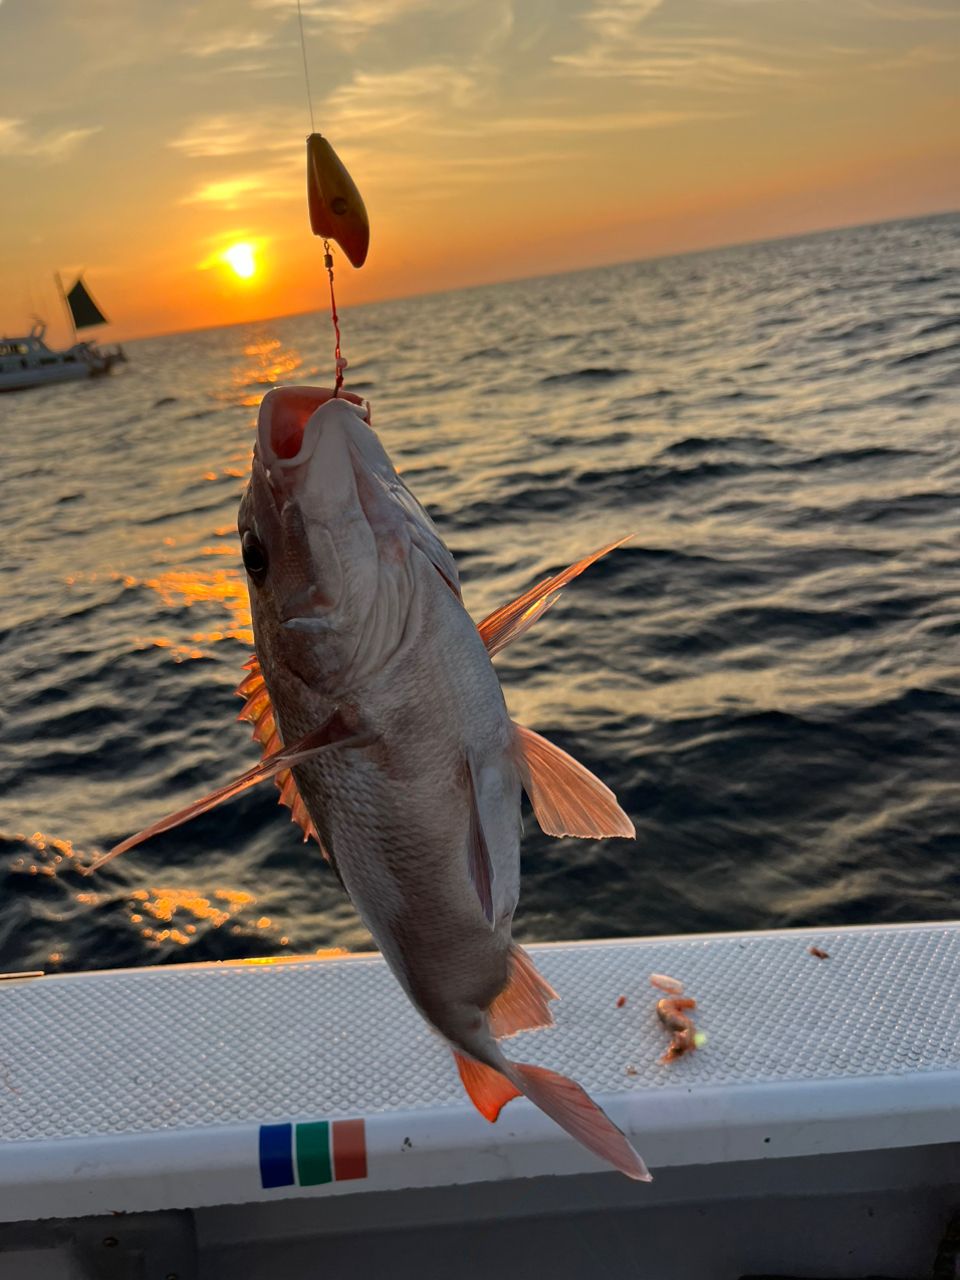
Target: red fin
point(522, 1004)
point(332, 734)
point(567, 799)
point(253, 688)
point(502, 626)
point(489, 1090)
point(573, 1109)
point(249, 682)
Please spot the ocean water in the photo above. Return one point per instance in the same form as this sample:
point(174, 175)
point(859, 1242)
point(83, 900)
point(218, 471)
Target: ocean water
point(768, 674)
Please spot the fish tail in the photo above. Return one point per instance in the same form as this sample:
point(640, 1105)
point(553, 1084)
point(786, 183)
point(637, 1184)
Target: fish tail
point(563, 1100)
point(488, 1088)
point(574, 1110)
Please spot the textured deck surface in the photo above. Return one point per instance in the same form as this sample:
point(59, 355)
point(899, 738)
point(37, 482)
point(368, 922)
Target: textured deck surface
point(198, 1046)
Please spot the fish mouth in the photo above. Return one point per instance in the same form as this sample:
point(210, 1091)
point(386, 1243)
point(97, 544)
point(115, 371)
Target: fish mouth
point(283, 418)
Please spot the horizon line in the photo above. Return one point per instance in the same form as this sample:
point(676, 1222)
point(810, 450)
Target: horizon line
point(550, 275)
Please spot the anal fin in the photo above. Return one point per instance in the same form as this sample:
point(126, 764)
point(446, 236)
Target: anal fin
point(567, 798)
point(522, 1004)
point(489, 1090)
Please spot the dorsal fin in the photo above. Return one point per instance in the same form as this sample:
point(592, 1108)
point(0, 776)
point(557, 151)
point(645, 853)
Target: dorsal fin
point(500, 628)
point(258, 710)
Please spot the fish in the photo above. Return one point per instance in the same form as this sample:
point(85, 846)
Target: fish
point(373, 696)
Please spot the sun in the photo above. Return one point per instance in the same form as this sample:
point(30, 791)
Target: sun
point(240, 258)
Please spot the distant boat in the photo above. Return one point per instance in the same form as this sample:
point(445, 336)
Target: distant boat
point(29, 362)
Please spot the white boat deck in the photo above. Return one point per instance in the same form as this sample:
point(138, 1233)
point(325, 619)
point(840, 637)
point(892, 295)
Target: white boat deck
point(200, 1085)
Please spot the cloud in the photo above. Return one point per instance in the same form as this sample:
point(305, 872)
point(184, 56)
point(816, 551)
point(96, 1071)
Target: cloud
point(620, 45)
point(18, 140)
point(599, 122)
point(348, 23)
point(681, 62)
point(370, 104)
point(896, 11)
point(610, 21)
point(405, 129)
point(241, 134)
point(228, 42)
point(382, 102)
point(910, 59)
point(234, 192)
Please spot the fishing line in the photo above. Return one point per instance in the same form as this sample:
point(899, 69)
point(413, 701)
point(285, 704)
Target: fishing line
point(336, 208)
point(341, 363)
point(306, 73)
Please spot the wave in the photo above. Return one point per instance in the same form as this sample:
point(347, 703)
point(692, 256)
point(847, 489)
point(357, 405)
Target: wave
point(590, 373)
point(928, 353)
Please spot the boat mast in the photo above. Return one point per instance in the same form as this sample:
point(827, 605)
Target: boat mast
point(66, 304)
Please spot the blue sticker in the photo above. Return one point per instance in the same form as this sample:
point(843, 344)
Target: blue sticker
point(276, 1155)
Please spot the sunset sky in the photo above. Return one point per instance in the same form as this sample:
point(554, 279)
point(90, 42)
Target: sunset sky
point(490, 139)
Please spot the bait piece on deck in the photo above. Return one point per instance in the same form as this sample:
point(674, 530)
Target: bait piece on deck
point(336, 207)
point(663, 982)
point(672, 1012)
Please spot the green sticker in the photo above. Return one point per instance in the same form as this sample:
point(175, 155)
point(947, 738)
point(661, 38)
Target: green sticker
point(313, 1154)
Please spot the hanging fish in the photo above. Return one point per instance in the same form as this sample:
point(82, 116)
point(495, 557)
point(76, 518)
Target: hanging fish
point(402, 759)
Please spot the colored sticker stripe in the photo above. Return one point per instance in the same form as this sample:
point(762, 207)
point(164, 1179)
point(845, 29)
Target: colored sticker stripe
point(324, 1152)
point(313, 1154)
point(349, 1150)
point(276, 1159)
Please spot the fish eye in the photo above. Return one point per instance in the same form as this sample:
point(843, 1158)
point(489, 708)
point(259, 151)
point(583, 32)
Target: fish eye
point(254, 556)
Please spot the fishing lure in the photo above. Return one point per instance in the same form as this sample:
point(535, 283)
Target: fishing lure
point(337, 213)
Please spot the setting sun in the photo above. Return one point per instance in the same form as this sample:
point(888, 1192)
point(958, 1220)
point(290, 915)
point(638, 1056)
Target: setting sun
point(240, 258)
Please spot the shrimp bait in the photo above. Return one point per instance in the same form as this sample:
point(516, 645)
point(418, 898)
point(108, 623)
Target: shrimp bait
point(671, 1011)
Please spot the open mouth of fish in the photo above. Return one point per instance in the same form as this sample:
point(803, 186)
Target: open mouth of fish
point(282, 436)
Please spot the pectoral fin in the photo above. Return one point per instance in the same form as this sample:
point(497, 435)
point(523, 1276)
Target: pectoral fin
point(567, 799)
point(333, 734)
point(502, 626)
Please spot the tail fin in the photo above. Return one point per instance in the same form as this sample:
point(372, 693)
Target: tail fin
point(573, 1109)
point(489, 1090)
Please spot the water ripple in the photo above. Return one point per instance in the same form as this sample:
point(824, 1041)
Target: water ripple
point(768, 674)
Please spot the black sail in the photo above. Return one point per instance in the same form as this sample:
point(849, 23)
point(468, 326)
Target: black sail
point(83, 308)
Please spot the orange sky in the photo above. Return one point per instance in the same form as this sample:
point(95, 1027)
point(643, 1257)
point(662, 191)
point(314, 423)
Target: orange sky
point(490, 138)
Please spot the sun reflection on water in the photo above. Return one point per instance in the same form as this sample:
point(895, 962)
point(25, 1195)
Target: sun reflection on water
point(52, 851)
point(268, 362)
point(188, 587)
point(181, 910)
point(162, 914)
